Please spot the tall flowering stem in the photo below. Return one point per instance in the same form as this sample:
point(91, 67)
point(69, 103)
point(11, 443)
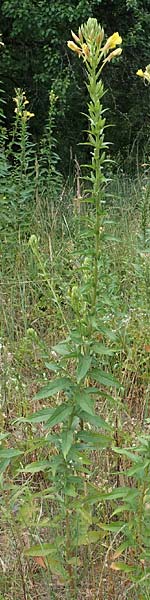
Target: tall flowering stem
point(89, 46)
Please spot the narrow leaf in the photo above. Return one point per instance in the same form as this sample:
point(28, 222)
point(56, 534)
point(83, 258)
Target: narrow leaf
point(37, 466)
point(105, 378)
point(67, 439)
point(95, 420)
point(85, 402)
point(94, 440)
point(40, 550)
point(60, 415)
point(103, 350)
point(9, 453)
point(55, 386)
point(83, 367)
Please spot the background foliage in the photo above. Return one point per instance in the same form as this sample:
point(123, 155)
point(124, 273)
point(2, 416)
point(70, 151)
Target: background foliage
point(36, 57)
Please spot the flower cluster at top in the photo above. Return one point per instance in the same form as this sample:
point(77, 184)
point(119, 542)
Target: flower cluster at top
point(21, 102)
point(145, 74)
point(92, 34)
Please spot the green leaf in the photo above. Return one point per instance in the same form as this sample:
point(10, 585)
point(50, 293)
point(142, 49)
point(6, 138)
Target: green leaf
point(103, 350)
point(63, 349)
point(123, 508)
point(60, 415)
point(52, 366)
point(37, 466)
point(70, 491)
point(67, 439)
point(88, 538)
point(86, 515)
point(94, 440)
point(3, 436)
point(85, 402)
point(83, 366)
point(95, 420)
point(41, 415)
point(121, 566)
point(127, 453)
point(57, 464)
point(114, 527)
point(57, 568)
point(41, 550)
point(9, 453)
point(55, 386)
point(3, 465)
point(105, 378)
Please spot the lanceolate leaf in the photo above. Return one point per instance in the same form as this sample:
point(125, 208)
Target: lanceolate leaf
point(3, 465)
point(94, 440)
point(105, 378)
point(63, 349)
point(85, 402)
point(41, 415)
point(102, 349)
point(41, 550)
point(60, 415)
point(113, 526)
point(83, 367)
point(55, 386)
point(9, 453)
point(95, 420)
point(67, 439)
point(37, 466)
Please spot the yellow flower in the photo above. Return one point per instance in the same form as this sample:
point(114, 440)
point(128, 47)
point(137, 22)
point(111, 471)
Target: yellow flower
point(115, 52)
point(27, 114)
point(75, 37)
point(85, 51)
point(145, 74)
point(17, 111)
point(112, 41)
point(74, 47)
point(140, 73)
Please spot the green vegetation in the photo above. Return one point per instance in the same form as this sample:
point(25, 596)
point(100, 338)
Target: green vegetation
point(75, 304)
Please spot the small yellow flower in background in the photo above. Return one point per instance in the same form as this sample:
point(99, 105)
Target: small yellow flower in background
point(114, 40)
point(140, 73)
point(145, 74)
point(27, 115)
point(21, 102)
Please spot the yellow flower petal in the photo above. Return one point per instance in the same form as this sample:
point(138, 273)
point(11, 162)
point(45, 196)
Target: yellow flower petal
point(113, 54)
point(140, 73)
point(145, 74)
point(85, 50)
point(112, 41)
point(75, 37)
point(74, 47)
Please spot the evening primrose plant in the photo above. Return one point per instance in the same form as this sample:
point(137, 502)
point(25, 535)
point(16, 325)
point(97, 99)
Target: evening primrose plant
point(78, 361)
point(22, 176)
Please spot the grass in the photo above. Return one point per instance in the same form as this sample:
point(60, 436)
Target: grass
point(30, 324)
